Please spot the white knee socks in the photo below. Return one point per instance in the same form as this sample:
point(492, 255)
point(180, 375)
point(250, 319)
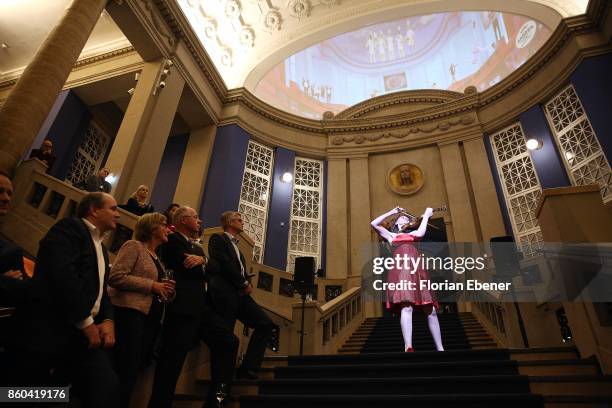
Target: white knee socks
point(434, 328)
point(406, 323)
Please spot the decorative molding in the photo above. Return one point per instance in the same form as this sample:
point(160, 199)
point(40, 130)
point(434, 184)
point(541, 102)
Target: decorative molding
point(179, 25)
point(443, 125)
point(159, 24)
point(450, 103)
point(383, 101)
point(80, 64)
point(102, 57)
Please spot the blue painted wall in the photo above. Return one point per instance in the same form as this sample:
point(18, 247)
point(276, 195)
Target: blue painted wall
point(67, 132)
point(279, 211)
point(547, 160)
point(168, 172)
point(44, 129)
point(65, 126)
point(594, 88)
point(222, 190)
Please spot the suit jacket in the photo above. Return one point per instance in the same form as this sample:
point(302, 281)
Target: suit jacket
point(228, 281)
point(67, 284)
point(190, 290)
point(11, 258)
point(93, 184)
point(131, 277)
point(49, 159)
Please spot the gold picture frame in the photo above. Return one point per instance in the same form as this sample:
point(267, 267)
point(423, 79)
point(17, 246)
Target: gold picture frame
point(405, 179)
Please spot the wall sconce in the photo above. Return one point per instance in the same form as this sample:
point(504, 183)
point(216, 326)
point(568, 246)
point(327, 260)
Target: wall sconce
point(534, 144)
point(287, 177)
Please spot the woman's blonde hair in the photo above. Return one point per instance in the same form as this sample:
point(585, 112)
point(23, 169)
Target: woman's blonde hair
point(145, 226)
point(135, 193)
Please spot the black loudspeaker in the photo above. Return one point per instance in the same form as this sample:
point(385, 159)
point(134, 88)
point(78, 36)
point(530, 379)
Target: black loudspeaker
point(506, 256)
point(303, 274)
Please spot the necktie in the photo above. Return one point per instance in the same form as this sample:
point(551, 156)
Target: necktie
point(235, 240)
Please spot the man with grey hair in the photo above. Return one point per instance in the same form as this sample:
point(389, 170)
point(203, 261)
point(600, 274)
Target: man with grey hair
point(189, 317)
point(231, 293)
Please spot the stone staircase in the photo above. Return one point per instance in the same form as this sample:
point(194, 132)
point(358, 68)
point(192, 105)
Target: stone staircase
point(460, 331)
point(370, 372)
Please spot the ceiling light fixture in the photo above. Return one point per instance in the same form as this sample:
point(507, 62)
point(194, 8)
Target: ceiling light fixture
point(4, 46)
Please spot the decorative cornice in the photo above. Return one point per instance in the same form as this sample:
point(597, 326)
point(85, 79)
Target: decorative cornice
point(82, 63)
point(159, 25)
point(101, 57)
point(443, 125)
point(380, 102)
point(179, 25)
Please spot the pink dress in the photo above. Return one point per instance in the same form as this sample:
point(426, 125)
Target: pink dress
point(399, 298)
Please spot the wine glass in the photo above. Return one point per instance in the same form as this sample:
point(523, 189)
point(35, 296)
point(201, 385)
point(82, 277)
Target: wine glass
point(166, 276)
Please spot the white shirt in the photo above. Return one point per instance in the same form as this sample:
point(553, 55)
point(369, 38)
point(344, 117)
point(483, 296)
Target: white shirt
point(97, 240)
point(231, 237)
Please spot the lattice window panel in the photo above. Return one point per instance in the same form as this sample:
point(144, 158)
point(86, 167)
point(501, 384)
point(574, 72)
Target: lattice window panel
point(584, 160)
point(305, 226)
point(521, 186)
point(255, 195)
point(89, 154)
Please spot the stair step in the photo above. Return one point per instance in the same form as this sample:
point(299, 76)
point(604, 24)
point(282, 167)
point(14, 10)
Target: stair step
point(405, 368)
point(544, 353)
point(559, 367)
point(415, 337)
point(457, 385)
point(595, 385)
point(576, 401)
point(412, 401)
point(425, 356)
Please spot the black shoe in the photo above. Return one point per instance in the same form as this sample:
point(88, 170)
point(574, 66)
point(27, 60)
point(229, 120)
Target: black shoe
point(244, 374)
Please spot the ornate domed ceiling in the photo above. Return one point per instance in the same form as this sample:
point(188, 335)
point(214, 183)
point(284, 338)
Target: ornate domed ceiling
point(258, 44)
point(448, 51)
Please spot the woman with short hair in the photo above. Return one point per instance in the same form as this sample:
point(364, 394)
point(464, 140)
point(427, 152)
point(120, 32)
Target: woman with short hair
point(135, 281)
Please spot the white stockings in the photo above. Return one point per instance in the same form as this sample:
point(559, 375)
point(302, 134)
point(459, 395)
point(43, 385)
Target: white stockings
point(406, 323)
point(434, 328)
point(432, 322)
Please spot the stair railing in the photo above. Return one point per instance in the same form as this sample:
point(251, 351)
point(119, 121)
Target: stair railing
point(327, 326)
point(40, 200)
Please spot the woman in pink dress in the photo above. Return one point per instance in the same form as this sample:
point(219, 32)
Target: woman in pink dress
point(403, 301)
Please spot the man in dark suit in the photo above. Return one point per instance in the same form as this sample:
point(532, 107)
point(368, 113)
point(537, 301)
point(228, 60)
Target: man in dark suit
point(45, 154)
point(69, 323)
point(11, 256)
point(97, 182)
point(189, 317)
point(231, 289)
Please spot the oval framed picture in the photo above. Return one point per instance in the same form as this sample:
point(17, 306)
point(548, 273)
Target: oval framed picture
point(405, 179)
